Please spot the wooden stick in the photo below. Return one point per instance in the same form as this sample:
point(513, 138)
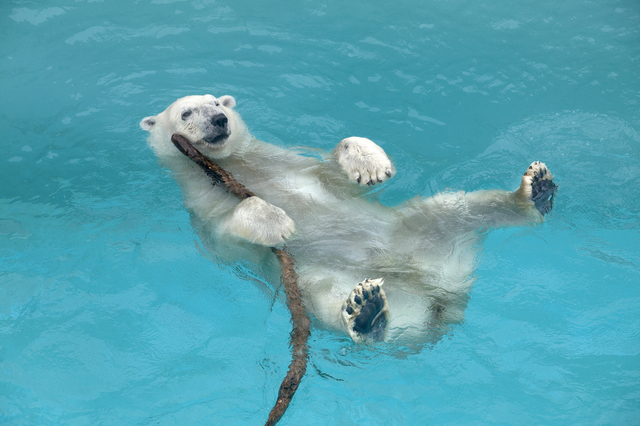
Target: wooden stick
point(301, 323)
point(299, 336)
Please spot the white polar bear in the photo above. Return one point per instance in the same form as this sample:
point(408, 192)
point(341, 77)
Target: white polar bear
point(424, 250)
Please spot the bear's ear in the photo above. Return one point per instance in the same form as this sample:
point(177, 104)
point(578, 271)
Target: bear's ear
point(227, 101)
point(148, 123)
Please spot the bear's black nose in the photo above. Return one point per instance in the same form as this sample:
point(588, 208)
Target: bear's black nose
point(219, 120)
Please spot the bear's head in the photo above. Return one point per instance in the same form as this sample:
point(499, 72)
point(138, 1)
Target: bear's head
point(209, 123)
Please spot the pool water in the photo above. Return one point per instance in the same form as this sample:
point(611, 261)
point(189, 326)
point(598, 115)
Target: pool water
point(112, 312)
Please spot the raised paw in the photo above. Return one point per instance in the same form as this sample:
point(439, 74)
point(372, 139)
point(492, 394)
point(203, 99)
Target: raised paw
point(259, 222)
point(537, 186)
point(363, 161)
point(365, 313)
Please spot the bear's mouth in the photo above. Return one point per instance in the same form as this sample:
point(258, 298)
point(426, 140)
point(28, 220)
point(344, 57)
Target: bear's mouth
point(216, 140)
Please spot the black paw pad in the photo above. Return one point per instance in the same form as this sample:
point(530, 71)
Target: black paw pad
point(370, 321)
point(542, 191)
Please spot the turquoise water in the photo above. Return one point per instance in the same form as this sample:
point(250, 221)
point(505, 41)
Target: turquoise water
point(111, 312)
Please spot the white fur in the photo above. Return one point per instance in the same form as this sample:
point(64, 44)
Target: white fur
point(425, 249)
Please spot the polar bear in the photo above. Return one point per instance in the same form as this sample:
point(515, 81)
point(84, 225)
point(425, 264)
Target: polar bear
point(378, 273)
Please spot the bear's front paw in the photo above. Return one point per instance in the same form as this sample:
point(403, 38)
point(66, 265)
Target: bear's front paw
point(364, 161)
point(257, 221)
point(365, 314)
point(537, 185)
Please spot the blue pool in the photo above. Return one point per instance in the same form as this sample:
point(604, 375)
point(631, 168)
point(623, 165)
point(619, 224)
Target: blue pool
point(113, 313)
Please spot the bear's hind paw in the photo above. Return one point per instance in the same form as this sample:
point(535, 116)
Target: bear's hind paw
point(365, 313)
point(537, 185)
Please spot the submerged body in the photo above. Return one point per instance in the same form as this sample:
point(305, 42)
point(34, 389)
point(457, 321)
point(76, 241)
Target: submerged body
point(424, 250)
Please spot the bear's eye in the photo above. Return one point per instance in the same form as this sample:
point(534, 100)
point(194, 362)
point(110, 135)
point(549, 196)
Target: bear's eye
point(186, 114)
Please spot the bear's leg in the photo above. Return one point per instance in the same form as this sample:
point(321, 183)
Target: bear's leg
point(527, 204)
point(456, 213)
point(363, 161)
point(365, 313)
